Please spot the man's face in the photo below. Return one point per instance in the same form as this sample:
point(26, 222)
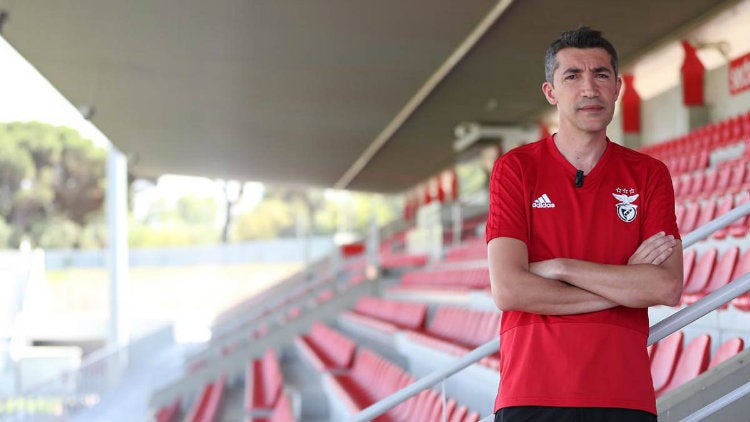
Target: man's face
point(585, 89)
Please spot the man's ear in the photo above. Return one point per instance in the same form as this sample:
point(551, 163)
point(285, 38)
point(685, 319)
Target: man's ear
point(549, 92)
point(617, 89)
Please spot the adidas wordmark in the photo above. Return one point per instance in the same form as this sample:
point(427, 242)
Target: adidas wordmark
point(543, 202)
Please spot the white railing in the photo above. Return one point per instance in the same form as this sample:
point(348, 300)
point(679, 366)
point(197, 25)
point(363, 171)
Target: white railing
point(658, 331)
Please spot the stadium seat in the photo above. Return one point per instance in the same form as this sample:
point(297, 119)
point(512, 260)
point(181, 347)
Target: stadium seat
point(650, 350)
point(688, 261)
point(725, 204)
point(720, 276)
point(664, 360)
point(739, 227)
point(700, 274)
point(742, 302)
point(692, 362)
point(690, 219)
point(473, 250)
point(727, 350)
point(326, 349)
point(281, 412)
point(709, 185)
point(390, 315)
point(208, 405)
point(263, 383)
point(470, 278)
point(458, 330)
point(707, 212)
point(169, 413)
point(356, 388)
point(724, 175)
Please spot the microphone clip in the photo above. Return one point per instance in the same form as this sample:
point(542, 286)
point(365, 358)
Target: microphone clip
point(579, 179)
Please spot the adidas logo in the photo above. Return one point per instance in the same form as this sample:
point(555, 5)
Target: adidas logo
point(543, 202)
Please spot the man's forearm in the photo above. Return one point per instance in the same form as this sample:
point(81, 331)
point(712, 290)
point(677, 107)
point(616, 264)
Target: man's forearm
point(524, 291)
point(635, 286)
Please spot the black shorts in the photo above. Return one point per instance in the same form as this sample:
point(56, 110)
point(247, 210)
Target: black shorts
point(571, 414)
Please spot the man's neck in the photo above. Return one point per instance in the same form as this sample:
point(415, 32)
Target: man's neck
point(581, 150)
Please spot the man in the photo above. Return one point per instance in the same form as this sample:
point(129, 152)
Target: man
point(582, 239)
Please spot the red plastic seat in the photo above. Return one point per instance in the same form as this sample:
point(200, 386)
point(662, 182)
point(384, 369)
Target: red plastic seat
point(742, 302)
point(471, 278)
point(707, 212)
point(692, 362)
point(665, 359)
point(739, 227)
point(326, 349)
point(720, 276)
point(727, 350)
point(700, 273)
point(725, 204)
point(458, 330)
point(709, 184)
point(263, 382)
point(206, 407)
point(737, 177)
point(722, 180)
point(688, 261)
point(356, 388)
point(406, 315)
point(690, 218)
point(169, 413)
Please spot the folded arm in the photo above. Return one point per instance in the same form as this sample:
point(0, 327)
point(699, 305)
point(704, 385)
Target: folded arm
point(515, 287)
point(653, 275)
point(563, 286)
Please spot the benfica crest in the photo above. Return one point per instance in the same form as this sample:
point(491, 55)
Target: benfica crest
point(625, 209)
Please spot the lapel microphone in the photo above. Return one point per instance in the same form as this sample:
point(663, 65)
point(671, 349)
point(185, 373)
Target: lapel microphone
point(579, 178)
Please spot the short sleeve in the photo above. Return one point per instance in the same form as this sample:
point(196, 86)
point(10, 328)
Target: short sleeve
point(660, 212)
point(507, 214)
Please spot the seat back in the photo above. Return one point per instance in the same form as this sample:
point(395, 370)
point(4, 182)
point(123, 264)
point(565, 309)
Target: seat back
point(665, 358)
point(693, 361)
point(727, 350)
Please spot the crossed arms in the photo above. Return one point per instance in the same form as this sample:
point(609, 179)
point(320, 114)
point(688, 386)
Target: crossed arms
point(563, 286)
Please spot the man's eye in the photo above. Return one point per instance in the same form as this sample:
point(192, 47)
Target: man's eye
point(602, 76)
point(571, 77)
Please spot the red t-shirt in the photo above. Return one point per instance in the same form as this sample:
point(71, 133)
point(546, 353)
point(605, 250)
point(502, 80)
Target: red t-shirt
point(595, 359)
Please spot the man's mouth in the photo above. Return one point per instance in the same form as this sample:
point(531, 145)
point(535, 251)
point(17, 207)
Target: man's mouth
point(591, 108)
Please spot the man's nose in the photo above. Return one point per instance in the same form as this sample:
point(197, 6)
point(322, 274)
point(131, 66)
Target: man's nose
point(589, 87)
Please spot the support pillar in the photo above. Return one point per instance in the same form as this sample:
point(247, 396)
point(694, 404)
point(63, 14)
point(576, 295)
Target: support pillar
point(117, 256)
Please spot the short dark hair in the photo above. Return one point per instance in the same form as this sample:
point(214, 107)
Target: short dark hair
point(583, 37)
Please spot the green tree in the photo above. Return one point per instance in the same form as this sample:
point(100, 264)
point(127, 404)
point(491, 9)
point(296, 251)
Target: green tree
point(196, 210)
point(50, 179)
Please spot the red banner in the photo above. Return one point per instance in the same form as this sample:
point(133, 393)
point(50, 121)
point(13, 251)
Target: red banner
point(739, 74)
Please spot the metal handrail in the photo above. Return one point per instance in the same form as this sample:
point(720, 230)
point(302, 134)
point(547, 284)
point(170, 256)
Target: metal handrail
point(718, 404)
point(658, 331)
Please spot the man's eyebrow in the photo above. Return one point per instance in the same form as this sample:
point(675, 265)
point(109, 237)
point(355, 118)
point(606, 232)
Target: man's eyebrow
point(599, 69)
point(573, 70)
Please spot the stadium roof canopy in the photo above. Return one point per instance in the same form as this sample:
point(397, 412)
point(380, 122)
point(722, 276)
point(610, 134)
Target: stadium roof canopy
point(354, 94)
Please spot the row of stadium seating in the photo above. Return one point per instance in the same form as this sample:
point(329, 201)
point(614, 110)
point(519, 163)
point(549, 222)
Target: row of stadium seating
point(672, 365)
point(727, 177)
point(690, 216)
point(690, 152)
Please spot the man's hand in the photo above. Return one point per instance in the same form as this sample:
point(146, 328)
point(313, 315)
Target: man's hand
point(654, 250)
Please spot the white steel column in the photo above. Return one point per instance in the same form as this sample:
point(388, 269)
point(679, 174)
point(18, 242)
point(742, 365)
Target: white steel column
point(117, 256)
